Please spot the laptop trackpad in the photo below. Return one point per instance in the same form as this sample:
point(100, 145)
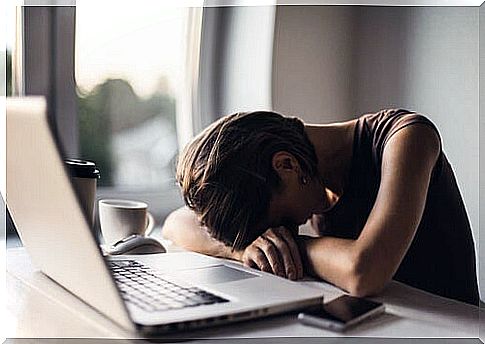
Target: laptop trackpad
point(214, 275)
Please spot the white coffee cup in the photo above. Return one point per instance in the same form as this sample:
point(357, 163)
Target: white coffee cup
point(122, 218)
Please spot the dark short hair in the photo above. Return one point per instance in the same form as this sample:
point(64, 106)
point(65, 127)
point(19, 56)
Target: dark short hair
point(226, 172)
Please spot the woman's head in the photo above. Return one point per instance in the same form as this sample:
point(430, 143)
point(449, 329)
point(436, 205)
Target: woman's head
point(240, 172)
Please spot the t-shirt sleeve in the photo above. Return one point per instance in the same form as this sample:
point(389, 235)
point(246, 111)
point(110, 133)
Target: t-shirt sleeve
point(389, 122)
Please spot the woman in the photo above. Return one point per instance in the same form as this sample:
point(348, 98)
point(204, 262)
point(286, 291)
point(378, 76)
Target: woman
point(382, 199)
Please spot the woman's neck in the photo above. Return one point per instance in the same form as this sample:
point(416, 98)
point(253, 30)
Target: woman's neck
point(334, 147)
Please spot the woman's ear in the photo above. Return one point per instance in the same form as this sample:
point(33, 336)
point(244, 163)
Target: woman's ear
point(285, 165)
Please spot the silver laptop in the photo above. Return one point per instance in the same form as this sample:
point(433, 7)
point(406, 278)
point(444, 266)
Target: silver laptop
point(151, 294)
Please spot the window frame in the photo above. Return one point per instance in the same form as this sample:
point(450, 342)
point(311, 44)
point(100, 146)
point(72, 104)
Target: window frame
point(45, 66)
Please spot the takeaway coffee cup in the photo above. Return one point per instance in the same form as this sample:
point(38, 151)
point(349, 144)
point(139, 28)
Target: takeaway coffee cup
point(121, 218)
point(84, 175)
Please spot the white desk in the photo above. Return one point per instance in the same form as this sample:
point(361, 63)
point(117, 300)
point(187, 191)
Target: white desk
point(39, 308)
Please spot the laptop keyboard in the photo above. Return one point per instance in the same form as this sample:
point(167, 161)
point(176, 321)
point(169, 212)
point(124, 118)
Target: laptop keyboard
point(144, 288)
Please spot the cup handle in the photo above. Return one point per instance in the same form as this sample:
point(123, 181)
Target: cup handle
point(150, 225)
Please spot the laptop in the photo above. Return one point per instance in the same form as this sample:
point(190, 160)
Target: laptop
point(148, 294)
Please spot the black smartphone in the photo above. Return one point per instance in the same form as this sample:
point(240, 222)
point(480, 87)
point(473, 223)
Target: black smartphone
point(341, 313)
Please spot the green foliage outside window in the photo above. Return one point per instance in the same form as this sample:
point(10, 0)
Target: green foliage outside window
point(112, 107)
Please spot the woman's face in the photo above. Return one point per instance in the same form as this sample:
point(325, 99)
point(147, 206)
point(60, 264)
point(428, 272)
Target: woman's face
point(295, 204)
point(297, 199)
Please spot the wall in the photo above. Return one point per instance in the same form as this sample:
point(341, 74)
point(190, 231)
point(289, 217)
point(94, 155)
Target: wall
point(246, 80)
point(312, 60)
point(335, 62)
point(236, 60)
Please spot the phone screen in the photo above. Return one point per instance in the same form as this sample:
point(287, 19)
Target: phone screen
point(344, 309)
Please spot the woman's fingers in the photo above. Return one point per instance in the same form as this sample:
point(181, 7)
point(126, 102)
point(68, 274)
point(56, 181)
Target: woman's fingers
point(255, 258)
point(277, 252)
point(295, 251)
point(263, 255)
point(272, 255)
point(276, 237)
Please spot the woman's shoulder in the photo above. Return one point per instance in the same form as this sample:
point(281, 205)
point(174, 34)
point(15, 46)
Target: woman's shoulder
point(394, 117)
point(380, 126)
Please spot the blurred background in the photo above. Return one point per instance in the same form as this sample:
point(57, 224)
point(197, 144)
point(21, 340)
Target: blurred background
point(128, 86)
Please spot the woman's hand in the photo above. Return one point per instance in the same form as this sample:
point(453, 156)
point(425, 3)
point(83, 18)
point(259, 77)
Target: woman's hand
point(275, 251)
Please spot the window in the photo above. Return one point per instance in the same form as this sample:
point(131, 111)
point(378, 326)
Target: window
point(130, 70)
point(135, 67)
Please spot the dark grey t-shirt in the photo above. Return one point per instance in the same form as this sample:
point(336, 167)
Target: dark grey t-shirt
point(441, 258)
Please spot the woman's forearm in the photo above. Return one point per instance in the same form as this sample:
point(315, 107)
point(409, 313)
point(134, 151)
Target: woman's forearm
point(183, 229)
point(329, 258)
point(340, 262)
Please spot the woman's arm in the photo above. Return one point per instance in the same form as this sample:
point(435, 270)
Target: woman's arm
point(183, 228)
point(364, 266)
point(275, 251)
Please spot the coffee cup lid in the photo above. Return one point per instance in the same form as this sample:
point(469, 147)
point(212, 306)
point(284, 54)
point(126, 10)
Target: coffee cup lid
point(81, 168)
